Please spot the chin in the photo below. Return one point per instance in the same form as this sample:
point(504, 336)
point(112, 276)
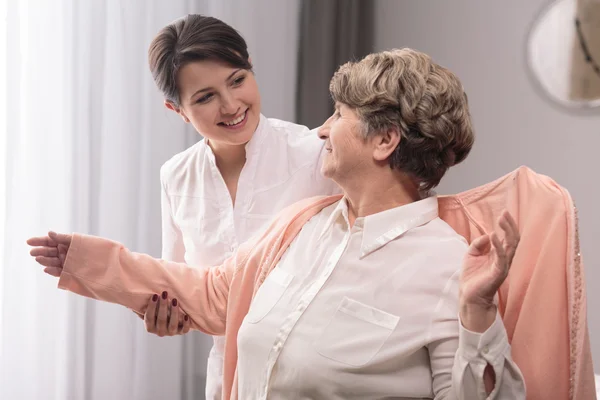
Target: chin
point(247, 136)
point(240, 138)
point(327, 173)
point(247, 132)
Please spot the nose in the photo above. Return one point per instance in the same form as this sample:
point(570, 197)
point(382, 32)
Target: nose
point(323, 131)
point(229, 104)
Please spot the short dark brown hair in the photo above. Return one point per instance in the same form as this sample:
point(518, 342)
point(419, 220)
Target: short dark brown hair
point(405, 90)
point(193, 38)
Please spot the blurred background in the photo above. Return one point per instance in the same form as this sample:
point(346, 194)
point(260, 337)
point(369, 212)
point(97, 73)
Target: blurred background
point(83, 133)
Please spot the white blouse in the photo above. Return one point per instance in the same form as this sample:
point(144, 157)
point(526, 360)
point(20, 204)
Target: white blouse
point(370, 313)
point(201, 226)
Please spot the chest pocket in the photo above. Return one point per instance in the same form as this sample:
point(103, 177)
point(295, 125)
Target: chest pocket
point(355, 333)
point(269, 294)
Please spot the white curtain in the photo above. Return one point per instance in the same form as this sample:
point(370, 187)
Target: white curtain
point(83, 133)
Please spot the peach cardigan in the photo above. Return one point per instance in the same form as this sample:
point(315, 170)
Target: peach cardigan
point(542, 302)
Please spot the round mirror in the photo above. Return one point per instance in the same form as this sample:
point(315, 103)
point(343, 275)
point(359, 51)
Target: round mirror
point(563, 52)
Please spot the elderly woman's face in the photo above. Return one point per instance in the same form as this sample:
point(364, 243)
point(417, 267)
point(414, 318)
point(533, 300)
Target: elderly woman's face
point(347, 151)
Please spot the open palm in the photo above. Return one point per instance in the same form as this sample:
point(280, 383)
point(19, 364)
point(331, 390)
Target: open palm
point(487, 263)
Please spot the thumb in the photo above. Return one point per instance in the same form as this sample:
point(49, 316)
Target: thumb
point(480, 246)
point(54, 271)
point(60, 238)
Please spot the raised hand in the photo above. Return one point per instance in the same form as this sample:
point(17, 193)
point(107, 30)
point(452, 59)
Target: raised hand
point(485, 268)
point(51, 251)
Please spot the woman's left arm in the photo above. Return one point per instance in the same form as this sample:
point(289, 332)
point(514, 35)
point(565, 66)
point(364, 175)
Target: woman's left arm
point(105, 270)
point(482, 367)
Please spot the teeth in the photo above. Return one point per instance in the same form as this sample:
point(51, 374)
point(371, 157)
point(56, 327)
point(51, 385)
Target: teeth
point(236, 121)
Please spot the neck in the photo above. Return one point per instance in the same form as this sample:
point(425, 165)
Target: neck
point(230, 159)
point(379, 191)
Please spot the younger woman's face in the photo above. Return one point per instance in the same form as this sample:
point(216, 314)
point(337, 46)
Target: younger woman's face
point(221, 102)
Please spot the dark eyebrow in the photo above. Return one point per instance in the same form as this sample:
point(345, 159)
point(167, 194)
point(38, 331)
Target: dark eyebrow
point(208, 88)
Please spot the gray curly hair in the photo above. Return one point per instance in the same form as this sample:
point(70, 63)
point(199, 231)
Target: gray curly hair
point(405, 90)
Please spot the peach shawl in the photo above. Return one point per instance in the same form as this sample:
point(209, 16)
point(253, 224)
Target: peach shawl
point(542, 302)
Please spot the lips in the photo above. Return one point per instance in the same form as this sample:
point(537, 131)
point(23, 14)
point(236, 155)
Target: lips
point(235, 121)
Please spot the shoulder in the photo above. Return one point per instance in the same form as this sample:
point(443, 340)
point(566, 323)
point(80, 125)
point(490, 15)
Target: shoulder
point(295, 134)
point(287, 127)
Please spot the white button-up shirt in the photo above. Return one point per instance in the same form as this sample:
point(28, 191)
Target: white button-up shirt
point(370, 312)
point(201, 226)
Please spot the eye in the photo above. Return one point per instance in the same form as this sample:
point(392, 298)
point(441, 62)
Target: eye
point(239, 80)
point(337, 114)
point(204, 99)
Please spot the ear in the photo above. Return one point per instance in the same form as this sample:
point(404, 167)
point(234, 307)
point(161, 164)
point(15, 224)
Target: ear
point(385, 143)
point(178, 110)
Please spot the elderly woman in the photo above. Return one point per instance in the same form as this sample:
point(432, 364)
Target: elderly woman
point(369, 295)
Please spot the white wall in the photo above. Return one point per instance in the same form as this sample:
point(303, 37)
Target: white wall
point(484, 43)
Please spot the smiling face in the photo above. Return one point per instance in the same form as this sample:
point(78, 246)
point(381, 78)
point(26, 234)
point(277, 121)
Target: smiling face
point(349, 154)
point(221, 102)
point(402, 95)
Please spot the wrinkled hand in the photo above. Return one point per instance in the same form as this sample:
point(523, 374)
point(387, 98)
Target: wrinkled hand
point(485, 268)
point(51, 251)
point(163, 317)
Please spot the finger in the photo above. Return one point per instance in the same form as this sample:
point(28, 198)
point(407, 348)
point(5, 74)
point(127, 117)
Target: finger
point(513, 224)
point(44, 251)
point(498, 247)
point(54, 271)
point(62, 253)
point(510, 233)
point(166, 333)
point(60, 238)
point(480, 246)
point(511, 236)
point(162, 316)
point(501, 263)
point(173, 318)
point(41, 241)
point(186, 324)
point(510, 239)
point(150, 314)
point(180, 322)
point(49, 261)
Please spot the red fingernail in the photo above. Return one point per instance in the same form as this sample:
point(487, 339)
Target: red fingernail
point(174, 302)
point(185, 318)
point(164, 295)
point(155, 297)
